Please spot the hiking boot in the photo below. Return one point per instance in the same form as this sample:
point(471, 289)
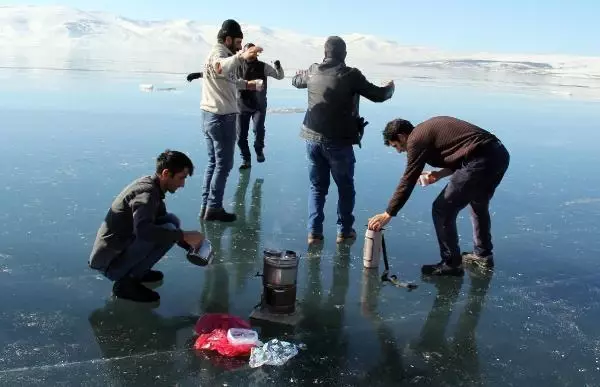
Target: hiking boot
point(315, 238)
point(133, 290)
point(260, 156)
point(484, 262)
point(246, 164)
point(442, 269)
point(219, 214)
point(152, 276)
point(346, 237)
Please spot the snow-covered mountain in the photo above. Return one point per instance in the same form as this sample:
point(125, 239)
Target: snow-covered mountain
point(62, 37)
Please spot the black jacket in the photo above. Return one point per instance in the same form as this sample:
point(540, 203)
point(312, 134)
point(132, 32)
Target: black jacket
point(333, 91)
point(132, 214)
point(251, 100)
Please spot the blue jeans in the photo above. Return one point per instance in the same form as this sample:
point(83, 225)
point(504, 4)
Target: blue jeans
point(219, 131)
point(243, 127)
point(474, 184)
point(337, 160)
point(141, 255)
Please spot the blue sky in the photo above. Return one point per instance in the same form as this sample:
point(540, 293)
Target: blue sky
point(519, 26)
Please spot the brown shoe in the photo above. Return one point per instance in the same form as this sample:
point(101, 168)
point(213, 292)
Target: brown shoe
point(315, 238)
point(349, 237)
point(219, 214)
point(470, 258)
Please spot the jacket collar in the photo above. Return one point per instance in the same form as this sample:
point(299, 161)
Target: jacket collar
point(156, 181)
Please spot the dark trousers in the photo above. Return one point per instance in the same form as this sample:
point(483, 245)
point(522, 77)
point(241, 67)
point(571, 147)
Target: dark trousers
point(258, 127)
point(474, 184)
point(141, 255)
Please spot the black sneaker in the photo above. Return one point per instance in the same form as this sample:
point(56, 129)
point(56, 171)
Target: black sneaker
point(484, 262)
point(219, 214)
point(442, 269)
point(260, 156)
point(152, 276)
point(133, 290)
point(245, 165)
point(315, 238)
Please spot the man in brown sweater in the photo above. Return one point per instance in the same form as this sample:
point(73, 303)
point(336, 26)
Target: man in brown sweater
point(476, 161)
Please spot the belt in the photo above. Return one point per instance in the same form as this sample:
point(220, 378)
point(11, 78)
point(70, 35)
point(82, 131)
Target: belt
point(486, 146)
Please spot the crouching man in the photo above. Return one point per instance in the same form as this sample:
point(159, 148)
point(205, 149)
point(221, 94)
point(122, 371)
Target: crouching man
point(476, 161)
point(138, 231)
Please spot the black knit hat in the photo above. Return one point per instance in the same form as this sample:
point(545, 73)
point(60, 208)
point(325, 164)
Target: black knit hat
point(230, 28)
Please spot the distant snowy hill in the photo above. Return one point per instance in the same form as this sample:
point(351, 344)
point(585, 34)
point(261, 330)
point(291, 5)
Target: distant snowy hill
point(61, 37)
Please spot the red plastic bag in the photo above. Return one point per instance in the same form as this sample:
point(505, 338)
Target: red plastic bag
point(213, 328)
point(212, 321)
point(217, 341)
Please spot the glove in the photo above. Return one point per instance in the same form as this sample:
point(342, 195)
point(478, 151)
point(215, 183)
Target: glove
point(193, 76)
point(277, 64)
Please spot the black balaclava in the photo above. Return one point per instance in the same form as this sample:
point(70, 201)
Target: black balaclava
point(335, 48)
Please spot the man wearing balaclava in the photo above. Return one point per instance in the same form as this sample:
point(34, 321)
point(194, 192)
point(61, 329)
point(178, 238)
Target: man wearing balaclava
point(331, 127)
point(219, 110)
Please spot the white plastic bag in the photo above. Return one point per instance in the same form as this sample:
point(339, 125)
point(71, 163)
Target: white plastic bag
point(274, 352)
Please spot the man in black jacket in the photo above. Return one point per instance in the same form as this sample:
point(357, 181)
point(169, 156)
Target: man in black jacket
point(331, 127)
point(138, 231)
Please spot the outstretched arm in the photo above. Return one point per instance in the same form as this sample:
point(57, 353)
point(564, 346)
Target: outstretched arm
point(276, 72)
point(300, 80)
point(372, 92)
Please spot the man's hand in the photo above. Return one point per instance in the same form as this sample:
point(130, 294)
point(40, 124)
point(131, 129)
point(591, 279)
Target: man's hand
point(190, 77)
point(254, 85)
point(429, 177)
point(434, 176)
point(377, 222)
point(251, 53)
point(251, 85)
point(277, 64)
point(193, 238)
point(391, 88)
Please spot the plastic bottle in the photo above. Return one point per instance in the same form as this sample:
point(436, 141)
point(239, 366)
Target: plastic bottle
point(241, 336)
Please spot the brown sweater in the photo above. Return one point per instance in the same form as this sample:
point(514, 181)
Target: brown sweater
point(442, 142)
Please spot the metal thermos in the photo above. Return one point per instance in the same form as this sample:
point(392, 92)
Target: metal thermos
point(372, 249)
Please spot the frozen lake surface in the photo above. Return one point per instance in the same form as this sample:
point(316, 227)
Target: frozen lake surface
point(72, 141)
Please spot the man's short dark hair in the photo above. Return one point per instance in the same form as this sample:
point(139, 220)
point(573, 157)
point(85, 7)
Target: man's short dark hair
point(174, 162)
point(394, 128)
